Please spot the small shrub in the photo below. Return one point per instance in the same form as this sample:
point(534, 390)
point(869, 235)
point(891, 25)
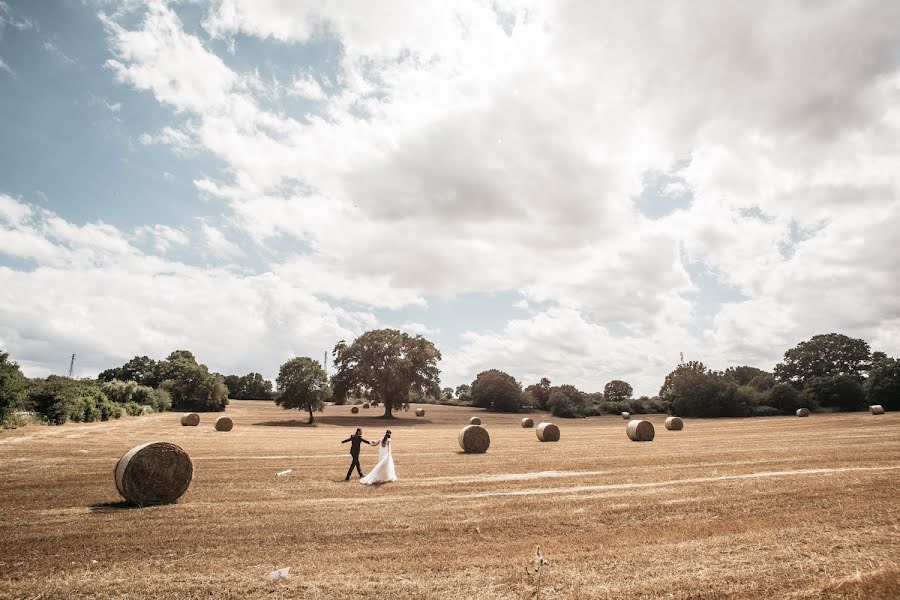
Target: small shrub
point(764, 411)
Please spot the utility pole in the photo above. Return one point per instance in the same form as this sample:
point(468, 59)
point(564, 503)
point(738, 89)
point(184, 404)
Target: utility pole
point(325, 361)
point(681, 361)
point(72, 366)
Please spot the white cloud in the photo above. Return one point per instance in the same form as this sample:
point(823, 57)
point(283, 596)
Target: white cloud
point(307, 87)
point(162, 237)
point(217, 244)
point(419, 328)
point(5, 67)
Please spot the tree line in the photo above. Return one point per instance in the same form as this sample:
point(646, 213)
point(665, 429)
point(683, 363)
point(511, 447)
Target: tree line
point(392, 369)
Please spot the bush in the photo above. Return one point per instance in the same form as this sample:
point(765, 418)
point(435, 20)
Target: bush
point(12, 389)
point(133, 409)
point(159, 400)
point(567, 407)
point(58, 399)
point(785, 399)
point(841, 392)
point(764, 411)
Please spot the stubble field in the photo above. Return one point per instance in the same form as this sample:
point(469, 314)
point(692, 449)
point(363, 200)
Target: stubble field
point(742, 508)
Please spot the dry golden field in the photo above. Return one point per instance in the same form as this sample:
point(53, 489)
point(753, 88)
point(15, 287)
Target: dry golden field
point(742, 508)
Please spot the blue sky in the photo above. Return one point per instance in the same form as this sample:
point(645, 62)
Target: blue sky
point(258, 180)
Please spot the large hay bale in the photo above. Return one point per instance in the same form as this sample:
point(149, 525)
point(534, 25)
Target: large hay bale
point(420, 412)
point(154, 473)
point(365, 405)
point(639, 430)
point(626, 415)
point(474, 421)
point(190, 419)
point(224, 424)
point(877, 409)
point(474, 439)
point(547, 432)
point(354, 410)
point(527, 423)
point(674, 423)
point(802, 412)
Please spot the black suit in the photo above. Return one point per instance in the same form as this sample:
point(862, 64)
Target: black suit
point(355, 442)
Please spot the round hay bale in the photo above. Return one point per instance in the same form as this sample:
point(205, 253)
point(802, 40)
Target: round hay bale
point(190, 419)
point(224, 424)
point(474, 439)
point(802, 412)
point(420, 412)
point(354, 410)
point(527, 423)
point(639, 430)
point(547, 432)
point(474, 421)
point(626, 415)
point(877, 409)
point(154, 473)
point(674, 423)
point(366, 405)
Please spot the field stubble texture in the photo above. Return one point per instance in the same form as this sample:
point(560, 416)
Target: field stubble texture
point(736, 508)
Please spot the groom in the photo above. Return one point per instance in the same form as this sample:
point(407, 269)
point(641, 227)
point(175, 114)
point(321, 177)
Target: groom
point(355, 440)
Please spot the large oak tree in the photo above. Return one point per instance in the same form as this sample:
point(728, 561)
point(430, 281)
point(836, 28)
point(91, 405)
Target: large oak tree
point(386, 364)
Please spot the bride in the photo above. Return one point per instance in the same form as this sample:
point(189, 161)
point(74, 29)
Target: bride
point(384, 470)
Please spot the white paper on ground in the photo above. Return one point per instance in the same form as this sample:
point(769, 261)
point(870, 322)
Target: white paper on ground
point(278, 574)
point(283, 473)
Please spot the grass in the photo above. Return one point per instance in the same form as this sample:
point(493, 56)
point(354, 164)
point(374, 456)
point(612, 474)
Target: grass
point(736, 508)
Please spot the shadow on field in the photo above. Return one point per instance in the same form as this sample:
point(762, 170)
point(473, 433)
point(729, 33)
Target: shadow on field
point(110, 507)
point(350, 421)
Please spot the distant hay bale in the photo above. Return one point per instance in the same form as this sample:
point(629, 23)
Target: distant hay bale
point(366, 405)
point(474, 439)
point(674, 423)
point(877, 409)
point(154, 473)
point(420, 412)
point(474, 421)
point(527, 423)
point(224, 424)
point(354, 410)
point(626, 415)
point(639, 430)
point(802, 412)
point(190, 419)
point(547, 432)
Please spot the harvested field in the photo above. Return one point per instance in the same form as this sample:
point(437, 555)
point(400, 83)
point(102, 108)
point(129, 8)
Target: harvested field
point(728, 508)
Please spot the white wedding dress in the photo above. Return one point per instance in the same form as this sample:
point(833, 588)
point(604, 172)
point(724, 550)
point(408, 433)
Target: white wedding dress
point(383, 472)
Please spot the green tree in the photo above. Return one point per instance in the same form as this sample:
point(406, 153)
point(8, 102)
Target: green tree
point(302, 384)
point(842, 392)
point(824, 355)
point(742, 375)
point(387, 364)
point(12, 386)
point(695, 391)
point(140, 369)
point(447, 392)
point(540, 392)
point(496, 390)
point(617, 391)
point(883, 385)
point(464, 392)
point(190, 384)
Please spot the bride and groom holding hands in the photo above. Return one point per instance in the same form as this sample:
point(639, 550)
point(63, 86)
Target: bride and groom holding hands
point(383, 472)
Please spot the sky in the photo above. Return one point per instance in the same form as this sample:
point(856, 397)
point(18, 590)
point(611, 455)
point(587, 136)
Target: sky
point(583, 191)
